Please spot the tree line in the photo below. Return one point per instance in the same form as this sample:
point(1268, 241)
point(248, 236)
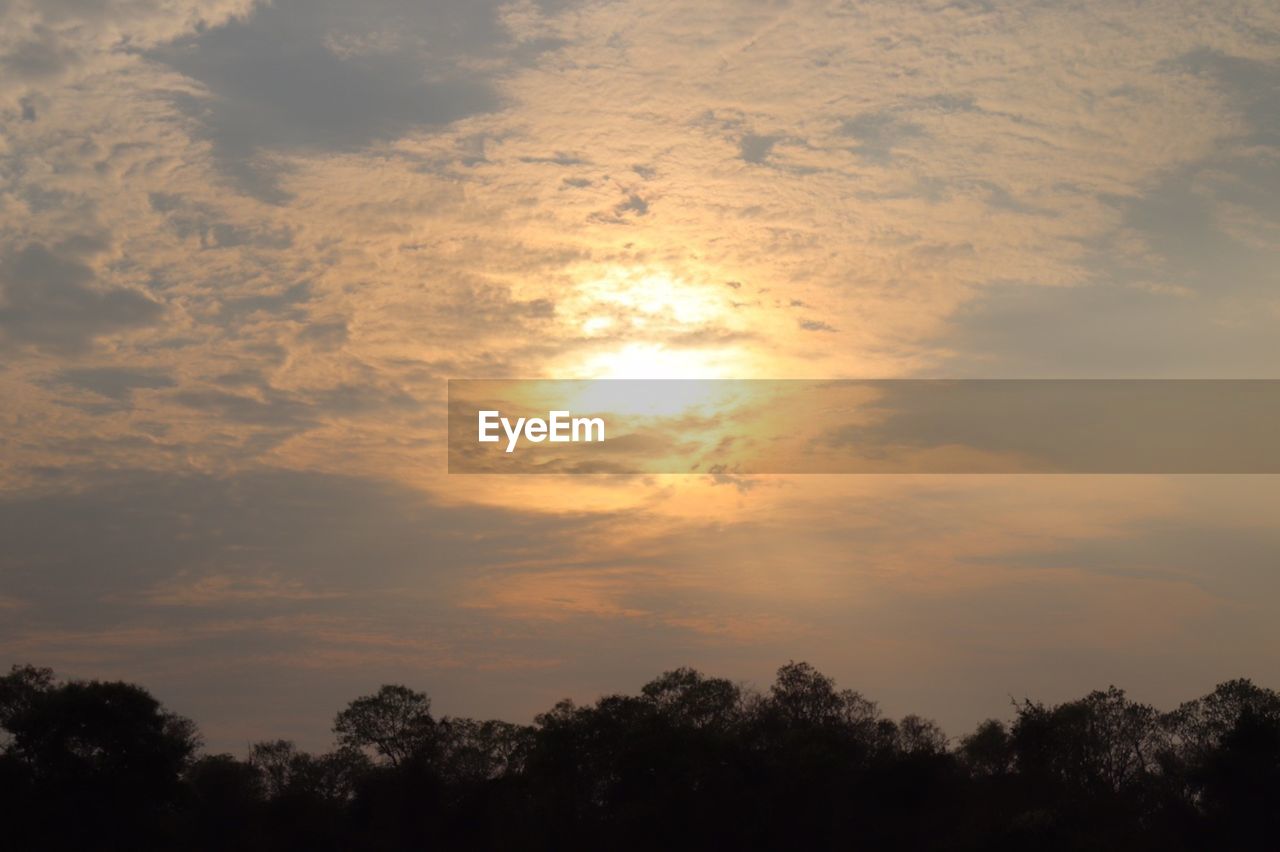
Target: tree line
point(690, 762)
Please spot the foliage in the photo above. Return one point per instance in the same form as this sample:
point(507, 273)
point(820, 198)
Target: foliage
point(691, 762)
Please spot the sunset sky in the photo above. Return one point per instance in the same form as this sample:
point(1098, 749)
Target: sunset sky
point(244, 245)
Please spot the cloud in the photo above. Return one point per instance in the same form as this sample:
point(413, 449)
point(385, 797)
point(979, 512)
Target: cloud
point(326, 76)
point(286, 303)
point(816, 325)
point(273, 409)
point(38, 57)
point(286, 412)
point(208, 579)
point(755, 149)
point(326, 334)
point(1232, 563)
point(633, 205)
point(1024, 331)
point(116, 384)
point(139, 531)
point(219, 589)
point(879, 133)
point(1252, 84)
point(204, 224)
point(51, 43)
point(51, 300)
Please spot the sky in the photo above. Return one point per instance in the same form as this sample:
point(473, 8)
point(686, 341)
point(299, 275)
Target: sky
point(244, 245)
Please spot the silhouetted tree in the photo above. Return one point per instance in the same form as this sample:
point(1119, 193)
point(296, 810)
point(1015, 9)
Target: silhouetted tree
point(225, 802)
point(469, 751)
point(988, 751)
point(275, 762)
point(1239, 782)
point(1227, 755)
point(99, 763)
point(1102, 742)
point(918, 735)
point(19, 691)
point(691, 762)
point(803, 696)
point(687, 697)
point(395, 723)
point(1201, 725)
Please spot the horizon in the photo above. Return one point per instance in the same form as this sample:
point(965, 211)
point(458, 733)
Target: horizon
point(747, 695)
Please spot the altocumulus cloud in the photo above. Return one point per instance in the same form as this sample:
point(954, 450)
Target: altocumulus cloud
point(51, 299)
point(335, 76)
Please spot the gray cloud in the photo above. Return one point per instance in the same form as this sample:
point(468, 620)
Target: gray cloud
point(277, 414)
point(39, 57)
point(300, 75)
point(1022, 330)
point(51, 300)
point(1179, 286)
point(816, 325)
point(190, 219)
point(1070, 426)
point(879, 133)
point(116, 384)
point(1236, 562)
point(169, 578)
point(560, 159)
point(1252, 85)
point(273, 409)
point(289, 303)
point(756, 149)
point(77, 550)
point(472, 306)
point(326, 335)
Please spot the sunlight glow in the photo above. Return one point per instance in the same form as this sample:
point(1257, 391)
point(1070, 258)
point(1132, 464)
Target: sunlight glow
point(652, 361)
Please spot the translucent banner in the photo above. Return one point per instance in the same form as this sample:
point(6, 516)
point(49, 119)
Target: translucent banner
point(750, 426)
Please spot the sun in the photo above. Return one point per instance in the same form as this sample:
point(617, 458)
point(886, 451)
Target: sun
point(646, 298)
point(639, 323)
